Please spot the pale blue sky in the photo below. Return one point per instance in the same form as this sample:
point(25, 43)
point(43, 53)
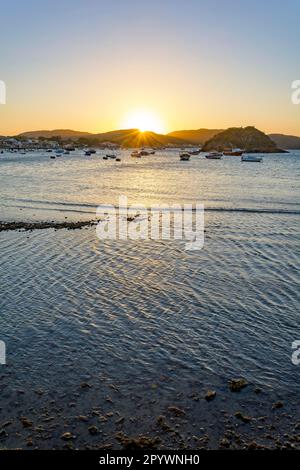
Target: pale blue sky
point(84, 63)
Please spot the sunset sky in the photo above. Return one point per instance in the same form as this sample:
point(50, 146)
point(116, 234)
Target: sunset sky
point(95, 65)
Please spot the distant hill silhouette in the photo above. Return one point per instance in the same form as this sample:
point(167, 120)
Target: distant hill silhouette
point(63, 133)
point(197, 136)
point(286, 141)
point(124, 137)
point(135, 138)
point(248, 138)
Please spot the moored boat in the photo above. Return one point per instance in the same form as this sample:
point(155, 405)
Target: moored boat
point(214, 156)
point(184, 157)
point(136, 154)
point(233, 152)
point(251, 158)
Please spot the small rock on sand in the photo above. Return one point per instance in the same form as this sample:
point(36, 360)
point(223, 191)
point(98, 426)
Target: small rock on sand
point(93, 430)
point(236, 385)
point(176, 411)
point(245, 419)
point(277, 405)
point(26, 422)
point(210, 395)
point(67, 436)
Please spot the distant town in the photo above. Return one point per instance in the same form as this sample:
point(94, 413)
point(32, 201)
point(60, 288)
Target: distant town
point(13, 144)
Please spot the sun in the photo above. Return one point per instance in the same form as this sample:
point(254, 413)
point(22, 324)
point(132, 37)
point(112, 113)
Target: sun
point(144, 121)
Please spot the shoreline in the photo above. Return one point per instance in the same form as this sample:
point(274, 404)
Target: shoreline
point(29, 226)
point(101, 414)
point(6, 226)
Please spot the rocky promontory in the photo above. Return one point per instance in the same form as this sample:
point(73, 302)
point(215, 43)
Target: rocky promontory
point(248, 138)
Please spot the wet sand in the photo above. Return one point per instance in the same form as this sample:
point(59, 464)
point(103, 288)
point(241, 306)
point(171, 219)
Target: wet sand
point(100, 414)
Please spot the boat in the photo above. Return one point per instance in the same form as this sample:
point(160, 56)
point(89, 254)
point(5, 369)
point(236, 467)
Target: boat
point(105, 158)
point(91, 151)
point(251, 158)
point(87, 153)
point(194, 151)
point(233, 152)
point(118, 159)
point(112, 156)
point(144, 153)
point(136, 154)
point(184, 157)
point(53, 157)
point(214, 156)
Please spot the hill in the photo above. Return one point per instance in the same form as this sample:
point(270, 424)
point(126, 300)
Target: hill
point(286, 141)
point(134, 138)
point(124, 137)
point(63, 133)
point(248, 138)
point(196, 137)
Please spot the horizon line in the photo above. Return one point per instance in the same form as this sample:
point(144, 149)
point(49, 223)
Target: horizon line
point(137, 129)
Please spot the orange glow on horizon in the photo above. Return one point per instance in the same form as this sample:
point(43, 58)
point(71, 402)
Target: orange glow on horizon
point(143, 120)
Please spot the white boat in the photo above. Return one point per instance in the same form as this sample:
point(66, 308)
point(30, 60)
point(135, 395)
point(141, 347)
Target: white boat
point(184, 157)
point(214, 156)
point(251, 158)
point(194, 151)
point(136, 154)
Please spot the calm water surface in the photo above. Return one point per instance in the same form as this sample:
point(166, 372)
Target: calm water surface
point(136, 311)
